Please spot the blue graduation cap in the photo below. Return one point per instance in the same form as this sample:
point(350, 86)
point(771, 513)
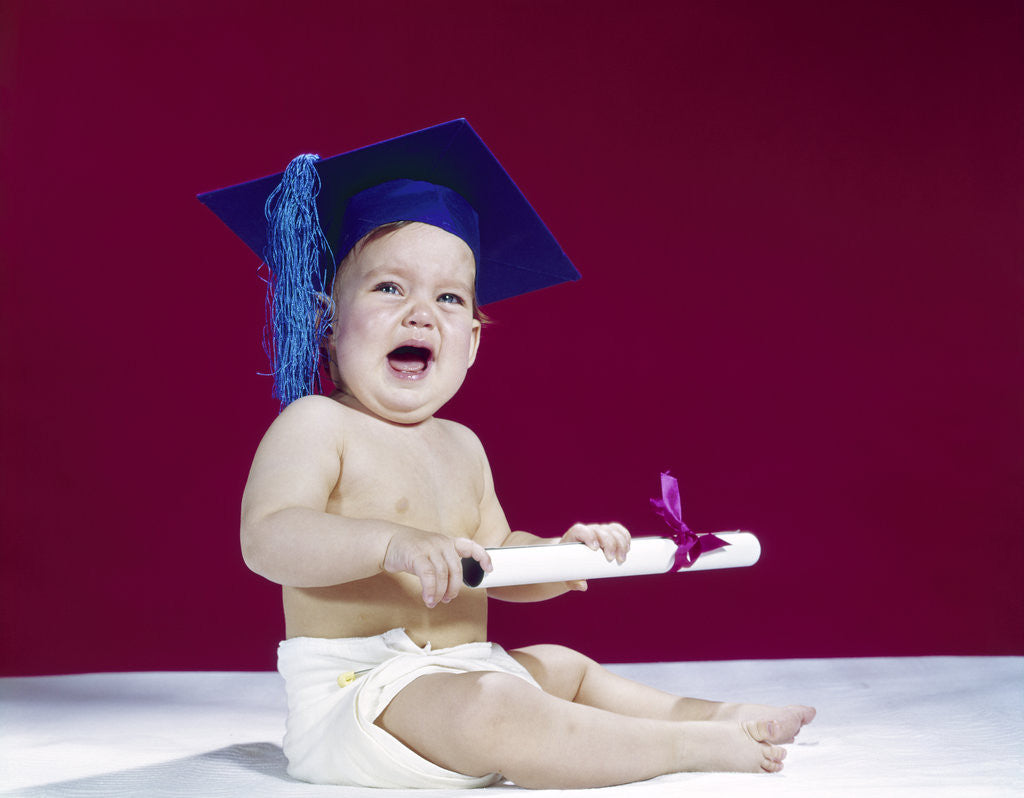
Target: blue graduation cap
point(303, 222)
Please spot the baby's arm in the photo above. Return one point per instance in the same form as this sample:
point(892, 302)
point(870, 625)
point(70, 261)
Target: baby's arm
point(612, 539)
point(289, 538)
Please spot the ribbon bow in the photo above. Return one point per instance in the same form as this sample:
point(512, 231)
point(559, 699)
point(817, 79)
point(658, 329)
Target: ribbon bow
point(689, 545)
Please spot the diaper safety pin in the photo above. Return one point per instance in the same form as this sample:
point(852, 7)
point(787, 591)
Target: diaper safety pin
point(345, 679)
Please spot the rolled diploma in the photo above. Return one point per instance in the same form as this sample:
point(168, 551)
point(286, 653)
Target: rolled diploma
point(563, 562)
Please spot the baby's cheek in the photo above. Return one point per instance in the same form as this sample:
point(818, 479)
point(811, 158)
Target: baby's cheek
point(462, 335)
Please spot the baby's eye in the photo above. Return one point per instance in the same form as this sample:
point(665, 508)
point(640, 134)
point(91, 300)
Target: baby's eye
point(386, 288)
point(451, 299)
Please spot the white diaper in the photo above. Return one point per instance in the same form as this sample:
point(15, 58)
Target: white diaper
point(331, 737)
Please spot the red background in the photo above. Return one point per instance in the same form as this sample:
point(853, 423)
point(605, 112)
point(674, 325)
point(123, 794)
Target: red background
point(799, 225)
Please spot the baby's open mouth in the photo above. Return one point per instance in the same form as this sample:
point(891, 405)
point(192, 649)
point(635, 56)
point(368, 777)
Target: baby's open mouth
point(409, 359)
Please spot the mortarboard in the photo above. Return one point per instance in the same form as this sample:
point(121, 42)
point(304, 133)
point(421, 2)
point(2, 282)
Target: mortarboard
point(518, 252)
point(443, 175)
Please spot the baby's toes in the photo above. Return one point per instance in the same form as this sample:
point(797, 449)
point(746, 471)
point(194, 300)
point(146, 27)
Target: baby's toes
point(773, 756)
point(793, 719)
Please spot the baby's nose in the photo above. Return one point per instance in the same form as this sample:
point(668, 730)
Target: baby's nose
point(420, 314)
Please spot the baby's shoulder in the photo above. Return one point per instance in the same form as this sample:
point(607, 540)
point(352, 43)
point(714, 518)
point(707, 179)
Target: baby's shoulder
point(461, 436)
point(314, 409)
point(309, 418)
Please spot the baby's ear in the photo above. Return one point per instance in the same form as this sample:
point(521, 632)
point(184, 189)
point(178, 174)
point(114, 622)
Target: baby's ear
point(475, 342)
point(325, 311)
point(325, 329)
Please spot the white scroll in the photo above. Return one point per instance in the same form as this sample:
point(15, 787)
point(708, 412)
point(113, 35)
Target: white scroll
point(562, 562)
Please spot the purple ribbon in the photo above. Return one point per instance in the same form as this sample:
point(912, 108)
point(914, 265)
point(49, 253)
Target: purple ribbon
point(689, 545)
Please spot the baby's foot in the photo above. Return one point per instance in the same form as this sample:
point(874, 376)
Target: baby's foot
point(782, 724)
point(725, 746)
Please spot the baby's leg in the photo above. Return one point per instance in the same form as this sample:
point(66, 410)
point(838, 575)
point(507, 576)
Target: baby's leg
point(479, 723)
point(575, 677)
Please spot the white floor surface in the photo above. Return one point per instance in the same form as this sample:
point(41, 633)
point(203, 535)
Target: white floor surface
point(906, 727)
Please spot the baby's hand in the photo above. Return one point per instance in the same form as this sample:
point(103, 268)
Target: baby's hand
point(434, 559)
point(612, 539)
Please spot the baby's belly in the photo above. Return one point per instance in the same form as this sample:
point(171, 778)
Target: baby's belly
point(387, 601)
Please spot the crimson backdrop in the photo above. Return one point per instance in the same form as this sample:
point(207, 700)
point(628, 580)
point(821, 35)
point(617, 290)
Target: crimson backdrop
point(799, 225)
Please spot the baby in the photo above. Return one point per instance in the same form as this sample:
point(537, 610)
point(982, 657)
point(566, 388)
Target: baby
point(362, 504)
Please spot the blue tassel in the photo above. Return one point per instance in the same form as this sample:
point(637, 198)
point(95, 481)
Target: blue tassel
point(299, 257)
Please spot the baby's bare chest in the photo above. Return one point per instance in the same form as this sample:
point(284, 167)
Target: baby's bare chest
point(425, 482)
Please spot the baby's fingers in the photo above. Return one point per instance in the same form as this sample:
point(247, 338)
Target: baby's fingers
point(428, 585)
point(583, 533)
point(470, 548)
point(433, 575)
point(463, 547)
point(453, 572)
point(615, 539)
point(612, 539)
